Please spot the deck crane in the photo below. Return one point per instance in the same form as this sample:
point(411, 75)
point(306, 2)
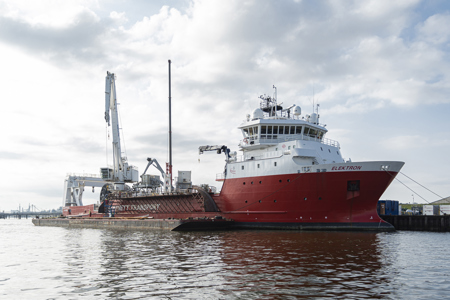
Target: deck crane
point(163, 174)
point(217, 148)
point(121, 171)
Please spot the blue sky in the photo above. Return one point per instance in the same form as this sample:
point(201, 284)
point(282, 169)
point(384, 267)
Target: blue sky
point(379, 69)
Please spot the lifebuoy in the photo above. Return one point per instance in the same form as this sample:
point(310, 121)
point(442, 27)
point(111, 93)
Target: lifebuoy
point(245, 141)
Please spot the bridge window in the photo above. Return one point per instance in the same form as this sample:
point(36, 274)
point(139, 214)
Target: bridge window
point(298, 130)
point(251, 134)
point(263, 131)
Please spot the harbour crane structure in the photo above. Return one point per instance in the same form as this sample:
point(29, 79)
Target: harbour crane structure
point(121, 172)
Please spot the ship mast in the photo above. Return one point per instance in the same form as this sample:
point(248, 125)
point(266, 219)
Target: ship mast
point(169, 166)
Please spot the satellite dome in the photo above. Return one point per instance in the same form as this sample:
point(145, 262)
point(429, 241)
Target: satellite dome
point(297, 110)
point(257, 114)
point(314, 118)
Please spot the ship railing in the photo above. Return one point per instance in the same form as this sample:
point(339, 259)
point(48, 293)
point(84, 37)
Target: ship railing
point(220, 176)
point(274, 139)
point(84, 175)
point(265, 155)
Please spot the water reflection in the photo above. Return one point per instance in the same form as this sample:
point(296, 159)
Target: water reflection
point(242, 265)
point(309, 264)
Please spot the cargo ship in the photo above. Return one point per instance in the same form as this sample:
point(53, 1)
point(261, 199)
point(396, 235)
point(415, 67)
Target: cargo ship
point(288, 175)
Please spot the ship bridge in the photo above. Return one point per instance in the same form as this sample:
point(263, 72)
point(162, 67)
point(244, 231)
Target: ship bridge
point(267, 132)
point(271, 124)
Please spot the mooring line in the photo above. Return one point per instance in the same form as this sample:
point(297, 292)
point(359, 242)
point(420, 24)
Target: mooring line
point(407, 186)
point(421, 185)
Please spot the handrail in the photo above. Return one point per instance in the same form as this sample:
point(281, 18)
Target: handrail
point(286, 138)
point(84, 175)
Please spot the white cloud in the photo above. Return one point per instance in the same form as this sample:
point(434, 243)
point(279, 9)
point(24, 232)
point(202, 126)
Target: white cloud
point(435, 29)
point(118, 17)
point(52, 13)
point(405, 142)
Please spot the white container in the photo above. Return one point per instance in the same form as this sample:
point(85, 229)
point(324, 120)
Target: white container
point(444, 210)
point(431, 210)
point(184, 176)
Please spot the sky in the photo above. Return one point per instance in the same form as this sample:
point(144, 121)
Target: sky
point(380, 71)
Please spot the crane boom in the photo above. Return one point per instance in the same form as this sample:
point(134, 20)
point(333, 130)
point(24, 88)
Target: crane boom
point(164, 175)
point(217, 148)
point(121, 172)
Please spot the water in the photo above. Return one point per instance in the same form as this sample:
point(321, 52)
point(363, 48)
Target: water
point(61, 263)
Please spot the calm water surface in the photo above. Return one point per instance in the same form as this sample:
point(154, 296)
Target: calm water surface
point(61, 263)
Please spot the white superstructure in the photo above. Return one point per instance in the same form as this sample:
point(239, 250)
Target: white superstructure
point(280, 141)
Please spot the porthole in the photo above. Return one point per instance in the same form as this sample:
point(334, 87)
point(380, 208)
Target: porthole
point(260, 201)
point(305, 199)
point(274, 200)
point(288, 180)
point(280, 180)
point(245, 201)
point(260, 182)
point(244, 183)
point(252, 182)
point(320, 198)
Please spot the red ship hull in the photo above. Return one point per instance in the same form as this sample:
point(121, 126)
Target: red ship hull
point(306, 201)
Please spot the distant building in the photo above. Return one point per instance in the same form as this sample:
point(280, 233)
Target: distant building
point(442, 201)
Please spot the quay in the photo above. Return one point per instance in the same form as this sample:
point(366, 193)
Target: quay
point(400, 222)
point(143, 224)
point(419, 223)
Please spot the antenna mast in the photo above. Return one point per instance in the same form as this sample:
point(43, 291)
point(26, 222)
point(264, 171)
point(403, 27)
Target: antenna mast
point(169, 167)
